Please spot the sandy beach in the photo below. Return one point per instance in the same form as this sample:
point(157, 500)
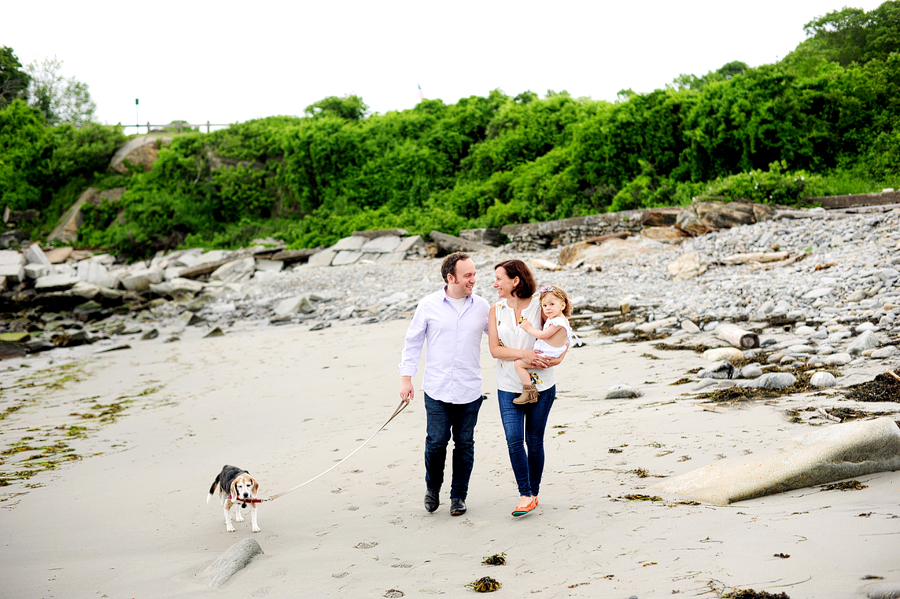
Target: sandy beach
point(129, 518)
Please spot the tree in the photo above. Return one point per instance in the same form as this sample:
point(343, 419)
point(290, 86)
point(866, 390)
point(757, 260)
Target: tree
point(351, 108)
point(13, 81)
point(61, 100)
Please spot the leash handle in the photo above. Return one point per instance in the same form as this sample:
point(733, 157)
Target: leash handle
point(400, 408)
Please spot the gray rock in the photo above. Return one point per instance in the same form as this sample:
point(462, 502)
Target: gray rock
point(868, 340)
point(822, 379)
point(884, 590)
point(381, 245)
point(395, 298)
point(771, 380)
point(690, 327)
point(622, 391)
point(236, 271)
point(177, 286)
point(391, 258)
point(345, 257)
point(36, 271)
point(269, 265)
point(354, 242)
point(858, 295)
point(141, 280)
point(15, 273)
point(95, 274)
point(35, 255)
point(300, 303)
point(887, 351)
point(837, 359)
point(719, 370)
point(818, 292)
point(411, 244)
point(55, 282)
point(234, 559)
point(751, 372)
point(826, 455)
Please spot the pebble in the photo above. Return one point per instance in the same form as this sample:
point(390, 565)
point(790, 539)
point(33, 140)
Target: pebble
point(622, 391)
point(822, 379)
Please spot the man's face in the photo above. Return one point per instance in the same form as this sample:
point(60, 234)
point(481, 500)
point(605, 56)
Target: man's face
point(462, 281)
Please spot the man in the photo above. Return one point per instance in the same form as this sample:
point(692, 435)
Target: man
point(452, 321)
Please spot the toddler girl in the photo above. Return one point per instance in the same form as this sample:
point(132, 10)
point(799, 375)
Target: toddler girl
point(551, 342)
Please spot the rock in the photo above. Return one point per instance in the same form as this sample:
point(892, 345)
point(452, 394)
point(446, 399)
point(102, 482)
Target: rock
point(236, 271)
point(450, 244)
point(353, 243)
point(287, 257)
point(622, 391)
point(868, 340)
point(381, 245)
point(323, 258)
point(187, 319)
point(687, 266)
point(690, 327)
point(151, 334)
point(234, 559)
point(35, 255)
point(115, 347)
point(55, 282)
point(723, 353)
point(829, 454)
point(140, 151)
point(836, 359)
point(660, 217)
point(771, 380)
point(177, 286)
point(664, 234)
point(884, 590)
point(269, 265)
point(751, 372)
point(818, 292)
point(67, 227)
point(540, 264)
point(887, 351)
point(483, 236)
point(10, 350)
point(623, 327)
point(141, 280)
point(15, 273)
point(95, 274)
point(705, 216)
point(36, 271)
point(13, 239)
point(737, 336)
point(16, 337)
point(822, 379)
point(216, 332)
point(372, 234)
point(58, 255)
point(719, 370)
point(344, 257)
point(653, 325)
point(300, 303)
point(411, 245)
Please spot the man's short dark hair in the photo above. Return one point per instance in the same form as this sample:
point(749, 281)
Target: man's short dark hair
point(449, 265)
point(517, 268)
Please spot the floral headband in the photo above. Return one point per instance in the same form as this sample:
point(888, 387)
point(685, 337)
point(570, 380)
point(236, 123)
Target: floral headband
point(546, 289)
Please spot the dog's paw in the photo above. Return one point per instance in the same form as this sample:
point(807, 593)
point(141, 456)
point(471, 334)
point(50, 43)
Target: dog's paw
point(230, 528)
point(238, 518)
point(256, 529)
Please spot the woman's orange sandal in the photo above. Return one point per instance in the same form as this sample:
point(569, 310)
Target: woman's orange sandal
point(522, 510)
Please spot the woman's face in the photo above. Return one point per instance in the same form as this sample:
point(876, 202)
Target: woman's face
point(503, 284)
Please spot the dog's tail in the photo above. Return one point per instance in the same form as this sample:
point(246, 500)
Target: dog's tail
point(212, 489)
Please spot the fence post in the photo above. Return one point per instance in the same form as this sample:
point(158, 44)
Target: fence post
point(179, 126)
point(148, 127)
point(207, 126)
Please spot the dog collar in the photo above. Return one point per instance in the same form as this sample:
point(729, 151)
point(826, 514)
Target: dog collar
point(244, 502)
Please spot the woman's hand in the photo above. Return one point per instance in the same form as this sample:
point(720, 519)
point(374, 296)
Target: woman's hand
point(534, 359)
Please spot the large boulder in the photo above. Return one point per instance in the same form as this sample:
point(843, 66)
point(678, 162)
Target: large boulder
point(702, 217)
point(66, 229)
point(823, 456)
point(141, 151)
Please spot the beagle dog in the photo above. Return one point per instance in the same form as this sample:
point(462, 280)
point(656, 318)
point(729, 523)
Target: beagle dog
point(236, 488)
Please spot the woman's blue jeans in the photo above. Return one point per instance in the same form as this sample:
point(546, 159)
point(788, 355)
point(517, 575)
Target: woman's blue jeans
point(524, 426)
point(446, 421)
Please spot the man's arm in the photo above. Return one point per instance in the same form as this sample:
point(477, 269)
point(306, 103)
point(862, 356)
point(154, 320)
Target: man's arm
point(412, 351)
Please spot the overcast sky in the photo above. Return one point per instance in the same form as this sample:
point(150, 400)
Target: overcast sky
point(225, 62)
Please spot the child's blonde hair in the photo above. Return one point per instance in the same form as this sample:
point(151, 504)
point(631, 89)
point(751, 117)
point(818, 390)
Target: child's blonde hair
point(560, 294)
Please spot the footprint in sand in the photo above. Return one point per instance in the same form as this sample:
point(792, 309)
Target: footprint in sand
point(403, 565)
point(271, 536)
point(351, 508)
point(339, 574)
point(261, 592)
point(364, 545)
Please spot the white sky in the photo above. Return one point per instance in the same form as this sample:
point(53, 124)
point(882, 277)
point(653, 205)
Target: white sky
point(226, 61)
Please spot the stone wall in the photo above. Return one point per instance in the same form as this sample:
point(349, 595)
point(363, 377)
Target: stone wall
point(538, 236)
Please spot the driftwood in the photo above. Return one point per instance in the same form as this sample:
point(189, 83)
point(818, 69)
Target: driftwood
point(893, 375)
point(737, 336)
point(202, 269)
point(829, 416)
point(771, 265)
point(756, 257)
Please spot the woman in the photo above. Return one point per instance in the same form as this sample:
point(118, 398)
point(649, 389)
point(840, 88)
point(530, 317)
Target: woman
point(524, 424)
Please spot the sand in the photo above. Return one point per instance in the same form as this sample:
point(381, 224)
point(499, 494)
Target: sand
point(130, 519)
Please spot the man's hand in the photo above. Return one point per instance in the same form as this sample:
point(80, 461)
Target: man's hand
point(407, 391)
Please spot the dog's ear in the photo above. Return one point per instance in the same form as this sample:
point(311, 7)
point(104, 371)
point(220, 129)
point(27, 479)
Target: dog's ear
point(233, 489)
point(255, 485)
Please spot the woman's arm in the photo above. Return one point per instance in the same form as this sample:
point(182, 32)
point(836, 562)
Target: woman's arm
point(505, 353)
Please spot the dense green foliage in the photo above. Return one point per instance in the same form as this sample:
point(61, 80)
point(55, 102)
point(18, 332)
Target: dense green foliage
point(825, 120)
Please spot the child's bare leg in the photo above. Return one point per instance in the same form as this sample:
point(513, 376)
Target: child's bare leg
point(522, 371)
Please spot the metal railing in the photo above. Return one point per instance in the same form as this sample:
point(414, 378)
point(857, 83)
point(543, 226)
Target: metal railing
point(174, 127)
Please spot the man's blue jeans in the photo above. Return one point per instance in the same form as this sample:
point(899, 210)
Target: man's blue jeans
point(524, 427)
point(446, 421)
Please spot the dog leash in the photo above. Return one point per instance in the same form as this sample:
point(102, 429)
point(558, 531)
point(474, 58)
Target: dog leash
point(399, 409)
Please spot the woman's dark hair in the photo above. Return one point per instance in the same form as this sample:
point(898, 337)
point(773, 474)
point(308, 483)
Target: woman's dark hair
point(517, 268)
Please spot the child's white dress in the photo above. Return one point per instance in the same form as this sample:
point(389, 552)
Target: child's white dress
point(550, 351)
